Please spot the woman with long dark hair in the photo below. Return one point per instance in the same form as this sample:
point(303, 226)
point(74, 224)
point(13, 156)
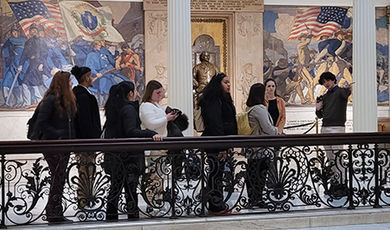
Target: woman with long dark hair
point(275, 104)
point(55, 121)
point(219, 117)
point(124, 168)
point(258, 158)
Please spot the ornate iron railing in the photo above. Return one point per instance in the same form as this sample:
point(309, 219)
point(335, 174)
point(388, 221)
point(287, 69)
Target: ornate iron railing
point(187, 177)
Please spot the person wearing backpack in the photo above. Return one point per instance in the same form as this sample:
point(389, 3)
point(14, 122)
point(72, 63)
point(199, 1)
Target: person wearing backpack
point(55, 122)
point(258, 157)
point(219, 117)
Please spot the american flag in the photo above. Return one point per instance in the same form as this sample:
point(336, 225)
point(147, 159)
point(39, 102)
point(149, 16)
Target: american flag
point(43, 13)
point(320, 20)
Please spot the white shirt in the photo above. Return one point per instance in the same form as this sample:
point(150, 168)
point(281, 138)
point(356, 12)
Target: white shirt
point(153, 117)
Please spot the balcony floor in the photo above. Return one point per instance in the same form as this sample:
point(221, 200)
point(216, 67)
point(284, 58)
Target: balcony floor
point(361, 218)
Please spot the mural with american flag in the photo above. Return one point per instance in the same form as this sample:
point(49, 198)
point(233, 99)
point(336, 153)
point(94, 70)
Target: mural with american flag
point(38, 12)
point(300, 43)
point(41, 37)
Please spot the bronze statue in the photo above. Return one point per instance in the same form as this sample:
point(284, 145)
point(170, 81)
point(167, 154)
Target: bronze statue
point(203, 72)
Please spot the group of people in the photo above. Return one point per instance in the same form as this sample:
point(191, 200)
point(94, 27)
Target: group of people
point(64, 113)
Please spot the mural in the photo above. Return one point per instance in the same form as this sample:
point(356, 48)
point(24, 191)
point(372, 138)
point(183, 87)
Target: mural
point(300, 43)
point(40, 37)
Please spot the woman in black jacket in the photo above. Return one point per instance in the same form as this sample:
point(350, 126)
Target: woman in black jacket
point(124, 168)
point(55, 116)
point(219, 117)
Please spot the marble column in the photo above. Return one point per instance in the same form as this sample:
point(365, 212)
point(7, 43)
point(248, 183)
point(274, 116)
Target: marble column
point(364, 67)
point(180, 58)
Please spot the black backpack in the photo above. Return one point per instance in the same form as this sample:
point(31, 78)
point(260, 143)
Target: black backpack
point(33, 132)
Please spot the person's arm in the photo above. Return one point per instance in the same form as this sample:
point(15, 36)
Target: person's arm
point(282, 114)
point(149, 118)
point(262, 117)
point(118, 62)
point(319, 110)
point(137, 62)
point(129, 115)
point(345, 91)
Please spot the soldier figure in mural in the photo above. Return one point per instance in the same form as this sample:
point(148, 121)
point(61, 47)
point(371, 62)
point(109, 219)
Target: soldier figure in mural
point(12, 51)
point(286, 77)
point(303, 64)
point(35, 55)
point(128, 62)
point(201, 75)
point(102, 67)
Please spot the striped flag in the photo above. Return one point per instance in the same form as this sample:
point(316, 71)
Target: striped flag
point(43, 13)
point(320, 20)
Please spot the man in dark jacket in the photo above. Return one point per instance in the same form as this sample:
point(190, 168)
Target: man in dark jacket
point(87, 126)
point(332, 108)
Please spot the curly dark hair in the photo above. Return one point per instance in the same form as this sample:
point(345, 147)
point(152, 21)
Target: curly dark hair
point(214, 90)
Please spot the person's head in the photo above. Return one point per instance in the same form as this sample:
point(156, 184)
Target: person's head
point(83, 75)
point(154, 92)
point(339, 35)
point(348, 37)
point(328, 80)
point(118, 96)
point(33, 30)
point(324, 37)
point(218, 87)
point(41, 31)
point(302, 37)
point(52, 33)
point(256, 95)
point(15, 31)
point(97, 45)
point(270, 86)
point(204, 56)
point(126, 48)
point(61, 88)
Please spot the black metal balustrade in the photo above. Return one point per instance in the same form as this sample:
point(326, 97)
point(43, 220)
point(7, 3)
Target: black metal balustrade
point(175, 181)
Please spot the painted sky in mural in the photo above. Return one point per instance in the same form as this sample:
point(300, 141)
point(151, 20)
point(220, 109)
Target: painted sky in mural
point(41, 37)
point(300, 43)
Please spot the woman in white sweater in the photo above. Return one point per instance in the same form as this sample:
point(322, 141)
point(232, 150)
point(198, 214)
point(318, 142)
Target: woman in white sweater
point(258, 158)
point(153, 117)
point(152, 114)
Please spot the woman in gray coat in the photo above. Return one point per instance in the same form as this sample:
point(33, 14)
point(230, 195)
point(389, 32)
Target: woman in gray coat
point(258, 158)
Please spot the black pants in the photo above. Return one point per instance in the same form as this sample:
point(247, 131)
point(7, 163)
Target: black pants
point(255, 179)
point(215, 183)
point(124, 175)
point(57, 165)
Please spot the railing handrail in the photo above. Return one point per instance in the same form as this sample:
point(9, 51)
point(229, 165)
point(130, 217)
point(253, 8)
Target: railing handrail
point(128, 144)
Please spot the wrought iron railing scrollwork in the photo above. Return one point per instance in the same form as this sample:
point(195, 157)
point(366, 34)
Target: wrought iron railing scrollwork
point(186, 177)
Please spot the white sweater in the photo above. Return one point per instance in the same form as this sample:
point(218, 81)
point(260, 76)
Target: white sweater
point(153, 117)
